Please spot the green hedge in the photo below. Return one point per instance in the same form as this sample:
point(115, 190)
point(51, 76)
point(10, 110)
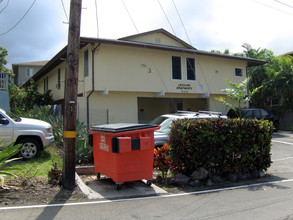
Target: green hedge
point(221, 146)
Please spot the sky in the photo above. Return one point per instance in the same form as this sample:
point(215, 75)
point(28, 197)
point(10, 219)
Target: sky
point(36, 30)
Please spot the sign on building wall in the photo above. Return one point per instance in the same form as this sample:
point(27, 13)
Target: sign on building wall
point(184, 88)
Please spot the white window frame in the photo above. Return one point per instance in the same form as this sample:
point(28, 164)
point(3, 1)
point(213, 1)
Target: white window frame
point(242, 71)
point(192, 80)
point(181, 72)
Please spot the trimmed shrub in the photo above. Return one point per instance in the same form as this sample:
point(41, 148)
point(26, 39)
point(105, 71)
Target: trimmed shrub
point(221, 146)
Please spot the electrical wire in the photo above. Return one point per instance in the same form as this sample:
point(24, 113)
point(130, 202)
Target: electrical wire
point(198, 64)
point(4, 7)
point(166, 17)
point(284, 4)
point(272, 7)
point(181, 22)
point(130, 16)
point(98, 31)
point(64, 10)
point(19, 20)
point(150, 56)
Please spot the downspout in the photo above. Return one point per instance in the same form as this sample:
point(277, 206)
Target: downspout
point(93, 84)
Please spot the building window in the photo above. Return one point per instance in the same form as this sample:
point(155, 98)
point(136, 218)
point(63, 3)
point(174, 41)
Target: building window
point(29, 72)
point(238, 71)
point(58, 86)
point(86, 63)
point(190, 69)
point(46, 84)
point(176, 68)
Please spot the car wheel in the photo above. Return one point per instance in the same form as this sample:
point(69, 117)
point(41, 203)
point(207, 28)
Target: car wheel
point(30, 148)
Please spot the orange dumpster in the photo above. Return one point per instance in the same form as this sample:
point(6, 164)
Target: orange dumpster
point(124, 152)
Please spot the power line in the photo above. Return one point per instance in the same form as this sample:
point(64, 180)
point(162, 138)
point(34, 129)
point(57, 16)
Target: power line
point(130, 16)
point(166, 17)
point(19, 20)
point(284, 4)
point(208, 87)
point(272, 7)
point(150, 56)
point(181, 22)
point(98, 32)
point(64, 10)
point(4, 6)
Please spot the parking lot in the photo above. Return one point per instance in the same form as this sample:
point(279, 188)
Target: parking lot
point(282, 154)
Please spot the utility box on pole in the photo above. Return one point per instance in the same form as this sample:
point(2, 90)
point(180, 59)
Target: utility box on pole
point(70, 95)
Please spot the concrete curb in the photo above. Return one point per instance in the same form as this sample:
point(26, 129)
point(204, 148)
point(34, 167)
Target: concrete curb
point(105, 188)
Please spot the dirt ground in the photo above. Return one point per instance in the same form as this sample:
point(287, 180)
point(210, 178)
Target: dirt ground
point(36, 191)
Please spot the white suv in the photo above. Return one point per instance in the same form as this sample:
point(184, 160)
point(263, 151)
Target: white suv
point(162, 135)
point(33, 134)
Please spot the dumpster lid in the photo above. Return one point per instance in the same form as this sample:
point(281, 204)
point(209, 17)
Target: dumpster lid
point(121, 127)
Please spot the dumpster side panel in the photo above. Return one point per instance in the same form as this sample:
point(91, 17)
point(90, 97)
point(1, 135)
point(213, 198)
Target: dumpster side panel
point(135, 165)
point(103, 158)
point(128, 163)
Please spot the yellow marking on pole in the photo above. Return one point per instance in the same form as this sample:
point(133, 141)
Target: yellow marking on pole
point(69, 134)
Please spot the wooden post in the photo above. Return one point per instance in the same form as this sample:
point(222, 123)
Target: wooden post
point(70, 95)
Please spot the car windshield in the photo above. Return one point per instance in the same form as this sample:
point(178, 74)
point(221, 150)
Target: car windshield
point(16, 119)
point(164, 122)
point(157, 121)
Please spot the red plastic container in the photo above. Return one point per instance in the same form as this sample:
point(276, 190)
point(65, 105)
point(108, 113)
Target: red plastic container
point(124, 152)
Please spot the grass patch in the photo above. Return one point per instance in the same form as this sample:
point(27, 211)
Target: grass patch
point(39, 166)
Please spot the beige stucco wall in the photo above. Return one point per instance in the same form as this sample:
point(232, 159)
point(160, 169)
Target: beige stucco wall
point(127, 107)
point(121, 68)
point(213, 72)
point(58, 93)
point(132, 92)
point(116, 107)
point(157, 38)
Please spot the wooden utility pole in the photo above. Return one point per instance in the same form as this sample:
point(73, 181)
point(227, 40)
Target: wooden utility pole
point(70, 95)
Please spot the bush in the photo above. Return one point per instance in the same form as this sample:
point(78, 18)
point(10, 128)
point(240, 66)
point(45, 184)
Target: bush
point(162, 160)
point(221, 146)
point(23, 100)
point(84, 152)
point(6, 154)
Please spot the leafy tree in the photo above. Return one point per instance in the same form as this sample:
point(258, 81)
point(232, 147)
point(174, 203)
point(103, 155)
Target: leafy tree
point(237, 95)
point(3, 61)
point(276, 77)
point(24, 99)
point(279, 85)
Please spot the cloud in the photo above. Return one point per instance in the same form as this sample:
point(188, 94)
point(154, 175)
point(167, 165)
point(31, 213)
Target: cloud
point(37, 35)
point(210, 24)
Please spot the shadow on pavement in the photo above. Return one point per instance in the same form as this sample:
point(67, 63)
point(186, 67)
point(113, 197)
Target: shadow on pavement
point(61, 198)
